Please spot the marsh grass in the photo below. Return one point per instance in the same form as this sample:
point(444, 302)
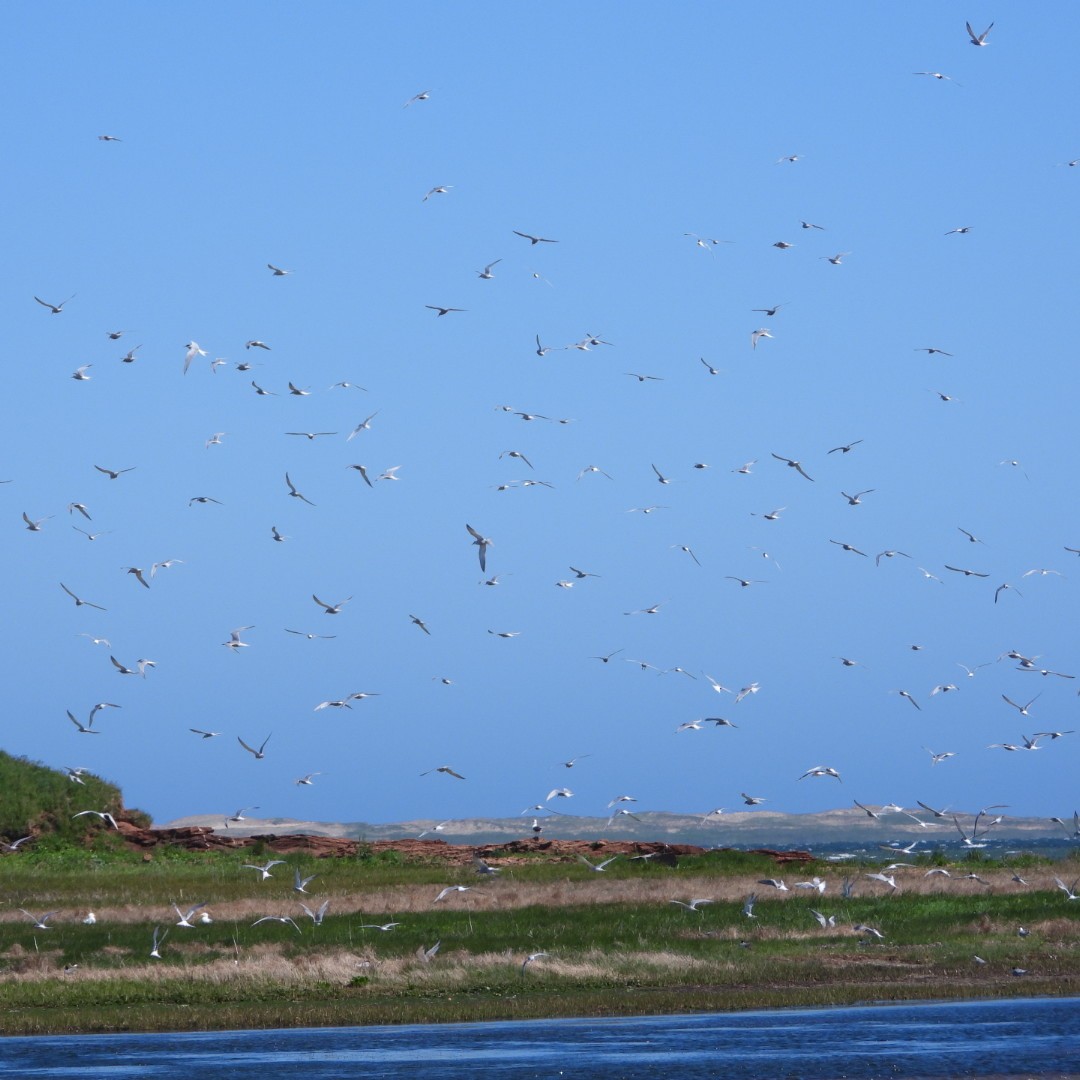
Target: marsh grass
point(615, 943)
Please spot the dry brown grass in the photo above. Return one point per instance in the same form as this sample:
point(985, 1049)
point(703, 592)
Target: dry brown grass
point(507, 893)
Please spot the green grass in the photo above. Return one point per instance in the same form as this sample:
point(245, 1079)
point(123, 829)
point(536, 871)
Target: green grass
point(615, 944)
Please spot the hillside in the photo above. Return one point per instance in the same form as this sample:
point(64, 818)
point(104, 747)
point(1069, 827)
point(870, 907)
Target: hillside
point(41, 802)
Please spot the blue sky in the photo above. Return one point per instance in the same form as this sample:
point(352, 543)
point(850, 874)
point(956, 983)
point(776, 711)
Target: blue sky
point(276, 133)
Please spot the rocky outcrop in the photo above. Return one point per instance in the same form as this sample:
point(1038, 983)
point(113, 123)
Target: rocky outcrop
point(204, 838)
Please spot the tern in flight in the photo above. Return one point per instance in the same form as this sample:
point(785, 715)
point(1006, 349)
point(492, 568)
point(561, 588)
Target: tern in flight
point(300, 884)
point(185, 916)
point(598, 868)
point(136, 571)
point(443, 310)
point(331, 609)
point(451, 889)
point(265, 868)
point(278, 272)
point(83, 729)
point(55, 308)
point(280, 919)
point(261, 752)
point(193, 350)
point(978, 39)
point(533, 240)
point(791, 464)
point(444, 769)
point(113, 474)
point(296, 494)
point(821, 770)
point(79, 602)
point(483, 543)
point(693, 905)
point(1023, 709)
point(42, 923)
point(104, 815)
point(234, 643)
point(849, 547)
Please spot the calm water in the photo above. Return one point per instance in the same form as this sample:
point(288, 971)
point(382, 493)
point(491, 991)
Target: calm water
point(1028, 1038)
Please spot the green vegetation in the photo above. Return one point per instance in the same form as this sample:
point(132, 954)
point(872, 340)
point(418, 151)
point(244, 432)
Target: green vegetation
point(614, 942)
point(40, 801)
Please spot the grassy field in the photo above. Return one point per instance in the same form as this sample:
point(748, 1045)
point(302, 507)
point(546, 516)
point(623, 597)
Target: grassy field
point(614, 942)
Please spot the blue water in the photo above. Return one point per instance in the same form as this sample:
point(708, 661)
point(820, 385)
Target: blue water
point(1026, 1038)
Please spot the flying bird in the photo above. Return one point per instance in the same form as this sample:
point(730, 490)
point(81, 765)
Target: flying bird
point(296, 494)
point(79, 602)
point(533, 240)
point(137, 572)
point(261, 752)
point(796, 465)
point(193, 350)
point(444, 769)
point(482, 543)
point(978, 39)
point(55, 309)
point(451, 889)
point(598, 868)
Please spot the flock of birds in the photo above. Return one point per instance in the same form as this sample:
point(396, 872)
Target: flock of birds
point(330, 610)
point(190, 917)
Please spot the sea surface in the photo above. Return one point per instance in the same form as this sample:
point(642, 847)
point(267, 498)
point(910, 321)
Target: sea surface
point(988, 1040)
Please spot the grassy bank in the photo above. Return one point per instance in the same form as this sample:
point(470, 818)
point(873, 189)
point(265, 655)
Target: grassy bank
point(614, 943)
